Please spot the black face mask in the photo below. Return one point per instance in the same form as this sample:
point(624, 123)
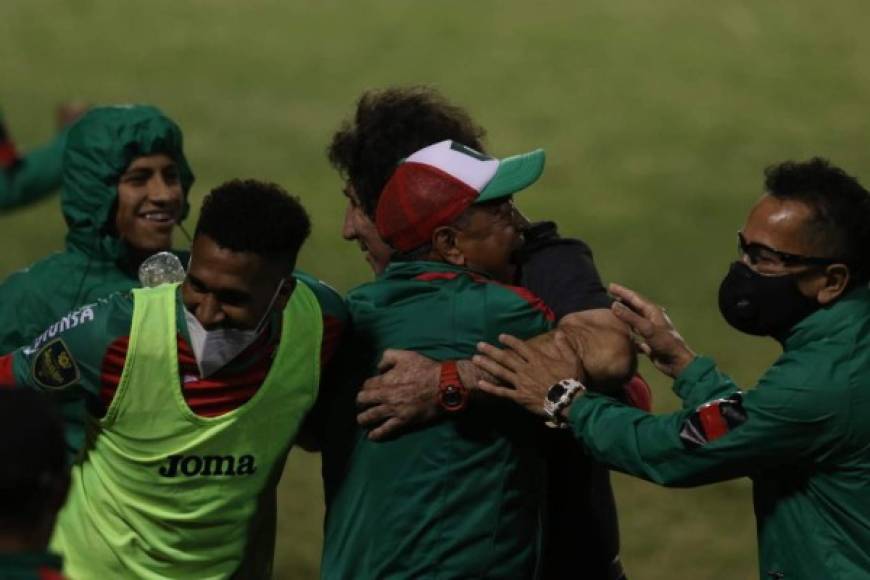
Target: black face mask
point(762, 305)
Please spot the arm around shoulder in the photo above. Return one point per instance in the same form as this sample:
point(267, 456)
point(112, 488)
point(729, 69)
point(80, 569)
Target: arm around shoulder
point(604, 346)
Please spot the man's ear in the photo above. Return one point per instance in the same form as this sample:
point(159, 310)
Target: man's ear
point(444, 244)
point(836, 280)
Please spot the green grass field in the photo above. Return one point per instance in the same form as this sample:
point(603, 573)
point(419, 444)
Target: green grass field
point(658, 119)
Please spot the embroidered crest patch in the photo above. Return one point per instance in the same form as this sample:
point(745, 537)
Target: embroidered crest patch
point(54, 367)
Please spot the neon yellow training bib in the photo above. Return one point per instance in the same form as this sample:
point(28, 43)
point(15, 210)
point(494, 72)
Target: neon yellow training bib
point(163, 493)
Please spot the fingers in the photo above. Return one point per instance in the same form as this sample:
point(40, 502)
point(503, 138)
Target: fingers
point(517, 345)
point(628, 296)
point(532, 404)
point(491, 366)
point(625, 314)
point(374, 415)
point(388, 360)
point(504, 392)
point(373, 384)
point(637, 302)
point(639, 324)
point(642, 346)
point(506, 358)
point(389, 430)
point(373, 393)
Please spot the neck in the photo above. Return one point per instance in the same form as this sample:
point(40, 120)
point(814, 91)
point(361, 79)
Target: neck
point(132, 258)
point(506, 276)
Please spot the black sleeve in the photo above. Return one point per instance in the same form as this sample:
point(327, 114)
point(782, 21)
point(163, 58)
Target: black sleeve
point(561, 272)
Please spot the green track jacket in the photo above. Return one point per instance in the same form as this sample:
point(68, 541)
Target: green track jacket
point(94, 263)
point(802, 436)
point(28, 178)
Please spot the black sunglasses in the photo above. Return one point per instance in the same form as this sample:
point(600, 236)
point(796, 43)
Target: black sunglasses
point(757, 252)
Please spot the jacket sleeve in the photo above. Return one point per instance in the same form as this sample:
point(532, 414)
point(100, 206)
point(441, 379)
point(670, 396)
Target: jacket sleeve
point(780, 421)
point(19, 323)
point(66, 360)
point(32, 177)
point(702, 381)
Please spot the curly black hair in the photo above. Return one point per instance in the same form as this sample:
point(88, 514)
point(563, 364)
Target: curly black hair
point(841, 207)
point(389, 125)
point(246, 215)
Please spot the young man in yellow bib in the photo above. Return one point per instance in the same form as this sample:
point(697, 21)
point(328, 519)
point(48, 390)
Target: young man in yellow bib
point(196, 393)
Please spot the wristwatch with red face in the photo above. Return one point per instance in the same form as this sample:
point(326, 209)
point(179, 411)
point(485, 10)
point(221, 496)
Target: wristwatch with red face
point(452, 394)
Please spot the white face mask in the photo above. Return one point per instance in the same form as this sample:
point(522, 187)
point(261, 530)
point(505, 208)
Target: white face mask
point(213, 349)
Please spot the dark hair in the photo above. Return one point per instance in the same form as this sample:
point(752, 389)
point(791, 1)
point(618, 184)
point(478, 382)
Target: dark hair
point(254, 216)
point(388, 126)
point(33, 456)
point(841, 207)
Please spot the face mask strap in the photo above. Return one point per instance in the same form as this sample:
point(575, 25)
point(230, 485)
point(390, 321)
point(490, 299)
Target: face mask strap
point(265, 318)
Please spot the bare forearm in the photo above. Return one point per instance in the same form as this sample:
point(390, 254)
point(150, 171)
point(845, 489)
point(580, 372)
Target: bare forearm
point(604, 348)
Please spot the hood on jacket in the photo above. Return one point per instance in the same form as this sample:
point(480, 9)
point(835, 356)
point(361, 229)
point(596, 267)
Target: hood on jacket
point(99, 148)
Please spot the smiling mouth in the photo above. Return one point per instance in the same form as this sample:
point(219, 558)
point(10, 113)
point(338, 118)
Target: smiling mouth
point(160, 217)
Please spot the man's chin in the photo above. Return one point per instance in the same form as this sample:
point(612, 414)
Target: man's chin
point(373, 264)
point(152, 245)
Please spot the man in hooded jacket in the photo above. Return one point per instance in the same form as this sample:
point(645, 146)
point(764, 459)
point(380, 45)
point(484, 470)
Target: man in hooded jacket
point(125, 185)
point(103, 247)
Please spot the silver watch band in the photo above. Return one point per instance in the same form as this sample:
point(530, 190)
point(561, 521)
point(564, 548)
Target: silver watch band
point(559, 397)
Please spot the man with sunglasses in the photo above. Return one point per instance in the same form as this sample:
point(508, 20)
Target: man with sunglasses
point(802, 434)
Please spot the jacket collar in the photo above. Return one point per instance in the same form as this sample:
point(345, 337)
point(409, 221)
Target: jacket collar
point(830, 320)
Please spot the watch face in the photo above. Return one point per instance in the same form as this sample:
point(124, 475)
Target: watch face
point(555, 393)
point(452, 397)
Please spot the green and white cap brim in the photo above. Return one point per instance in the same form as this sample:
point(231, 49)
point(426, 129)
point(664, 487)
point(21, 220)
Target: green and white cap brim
point(491, 178)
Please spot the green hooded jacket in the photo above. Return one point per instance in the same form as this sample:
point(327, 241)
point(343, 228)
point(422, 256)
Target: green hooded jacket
point(801, 435)
point(25, 179)
point(95, 263)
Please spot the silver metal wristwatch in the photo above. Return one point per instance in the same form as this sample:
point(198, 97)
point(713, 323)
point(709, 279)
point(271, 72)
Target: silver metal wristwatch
point(559, 396)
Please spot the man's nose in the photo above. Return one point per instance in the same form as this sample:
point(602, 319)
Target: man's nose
point(520, 221)
point(348, 228)
point(160, 191)
point(209, 312)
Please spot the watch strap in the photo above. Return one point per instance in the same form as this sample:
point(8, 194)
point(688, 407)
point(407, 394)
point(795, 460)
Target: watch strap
point(559, 397)
point(452, 394)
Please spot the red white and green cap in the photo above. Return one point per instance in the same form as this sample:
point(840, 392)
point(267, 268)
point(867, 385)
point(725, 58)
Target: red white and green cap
point(434, 185)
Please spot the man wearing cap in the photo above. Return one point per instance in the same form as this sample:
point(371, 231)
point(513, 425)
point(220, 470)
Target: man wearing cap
point(387, 126)
point(460, 498)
